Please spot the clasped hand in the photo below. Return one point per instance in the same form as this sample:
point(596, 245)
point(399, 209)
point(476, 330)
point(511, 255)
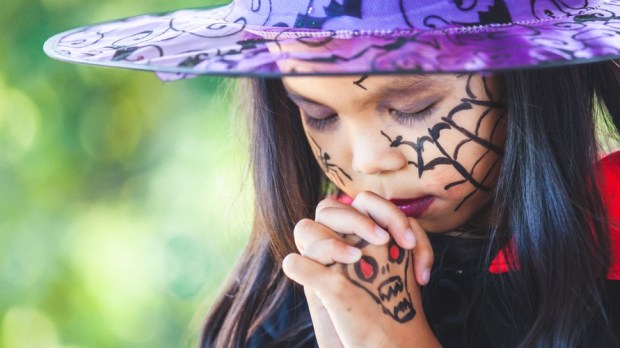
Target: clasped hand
point(360, 266)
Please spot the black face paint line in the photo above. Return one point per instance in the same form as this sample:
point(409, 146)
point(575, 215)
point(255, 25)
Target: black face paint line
point(449, 123)
point(383, 274)
point(331, 169)
point(359, 82)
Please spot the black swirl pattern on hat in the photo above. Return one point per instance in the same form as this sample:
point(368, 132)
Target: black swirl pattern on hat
point(284, 37)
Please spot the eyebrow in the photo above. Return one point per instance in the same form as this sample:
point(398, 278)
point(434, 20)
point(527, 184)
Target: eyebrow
point(299, 98)
point(401, 85)
point(409, 84)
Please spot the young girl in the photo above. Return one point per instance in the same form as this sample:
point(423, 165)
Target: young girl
point(474, 208)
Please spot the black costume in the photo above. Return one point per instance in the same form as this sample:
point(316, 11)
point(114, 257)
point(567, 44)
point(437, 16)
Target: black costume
point(450, 300)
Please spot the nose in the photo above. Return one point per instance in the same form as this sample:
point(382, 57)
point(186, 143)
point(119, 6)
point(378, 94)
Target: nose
point(372, 154)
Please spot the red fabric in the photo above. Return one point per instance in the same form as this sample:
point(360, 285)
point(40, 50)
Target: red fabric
point(500, 262)
point(611, 195)
point(610, 189)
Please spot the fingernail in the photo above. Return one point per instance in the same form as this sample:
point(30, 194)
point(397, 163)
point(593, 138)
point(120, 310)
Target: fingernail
point(409, 237)
point(381, 233)
point(426, 275)
point(354, 252)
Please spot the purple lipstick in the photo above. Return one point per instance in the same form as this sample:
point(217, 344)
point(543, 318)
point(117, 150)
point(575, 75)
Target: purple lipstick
point(414, 207)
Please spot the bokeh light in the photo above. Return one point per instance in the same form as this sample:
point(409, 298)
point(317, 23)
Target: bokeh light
point(124, 201)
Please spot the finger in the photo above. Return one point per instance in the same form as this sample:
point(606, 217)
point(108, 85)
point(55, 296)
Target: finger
point(388, 216)
point(322, 323)
point(336, 292)
point(344, 219)
point(423, 255)
point(347, 220)
point(307, 232)
point(329, 251)
point(329, 203)
point(309, 273)
point(331, 287)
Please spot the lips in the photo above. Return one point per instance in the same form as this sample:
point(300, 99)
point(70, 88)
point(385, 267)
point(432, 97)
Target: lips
point(413, 207)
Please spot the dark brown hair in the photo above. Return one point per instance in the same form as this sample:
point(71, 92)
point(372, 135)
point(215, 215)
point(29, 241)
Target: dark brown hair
point(544, 201)
point(288, 184)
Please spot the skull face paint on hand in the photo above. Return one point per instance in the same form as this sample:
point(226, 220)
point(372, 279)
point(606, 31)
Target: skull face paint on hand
point(383, 273)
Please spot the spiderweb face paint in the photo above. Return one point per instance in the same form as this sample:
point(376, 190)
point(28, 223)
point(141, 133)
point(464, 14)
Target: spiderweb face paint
point(488, 112)
point(409, 137)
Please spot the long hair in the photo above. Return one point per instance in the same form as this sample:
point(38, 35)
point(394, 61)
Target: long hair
point(288, 184)
point(547, 206)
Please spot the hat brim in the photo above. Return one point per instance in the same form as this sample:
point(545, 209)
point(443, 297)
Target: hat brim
point(188, 43)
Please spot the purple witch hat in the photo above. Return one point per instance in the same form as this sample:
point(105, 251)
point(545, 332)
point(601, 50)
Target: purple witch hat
point(314, 37)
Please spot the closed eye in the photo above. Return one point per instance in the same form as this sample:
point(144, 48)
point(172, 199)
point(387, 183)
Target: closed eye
point(412, 118)
point(320, 123)
point(405, 118)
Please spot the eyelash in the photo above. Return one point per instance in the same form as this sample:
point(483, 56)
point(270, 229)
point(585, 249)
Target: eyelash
point(406, 118)
point(411, 118)
point(320, 123)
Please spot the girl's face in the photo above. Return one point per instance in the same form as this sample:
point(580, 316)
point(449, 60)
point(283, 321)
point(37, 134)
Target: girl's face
point(432, 144)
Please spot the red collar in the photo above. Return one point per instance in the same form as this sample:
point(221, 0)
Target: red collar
point(609, 186)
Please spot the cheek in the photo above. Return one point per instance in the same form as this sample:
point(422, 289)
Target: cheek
point(326, 147)
point(453, 207)
point(480, 162)
point(467, 141)
point(333, 157)
point(436, 181)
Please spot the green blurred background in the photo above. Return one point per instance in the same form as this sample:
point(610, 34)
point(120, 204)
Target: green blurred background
point(123, 200)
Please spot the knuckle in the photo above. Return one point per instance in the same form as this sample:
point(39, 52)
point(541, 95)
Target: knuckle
point(302, 227)
point(290, 263)
point(333, 245)
point(362, 197)
point(399, 222)
point(323, 214)
point(326, 202)
point(310, 252)
point(365, 223)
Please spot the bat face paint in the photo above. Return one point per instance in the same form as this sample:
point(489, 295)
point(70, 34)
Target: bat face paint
point(359, 82)
point(408, 137)
point(333, 171)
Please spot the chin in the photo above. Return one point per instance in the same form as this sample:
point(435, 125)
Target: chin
point(439, 222)
point(438, 228)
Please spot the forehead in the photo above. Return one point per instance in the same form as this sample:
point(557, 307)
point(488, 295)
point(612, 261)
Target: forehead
point(309, 89)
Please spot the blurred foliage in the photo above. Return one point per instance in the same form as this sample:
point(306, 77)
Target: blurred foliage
point(122, 204)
